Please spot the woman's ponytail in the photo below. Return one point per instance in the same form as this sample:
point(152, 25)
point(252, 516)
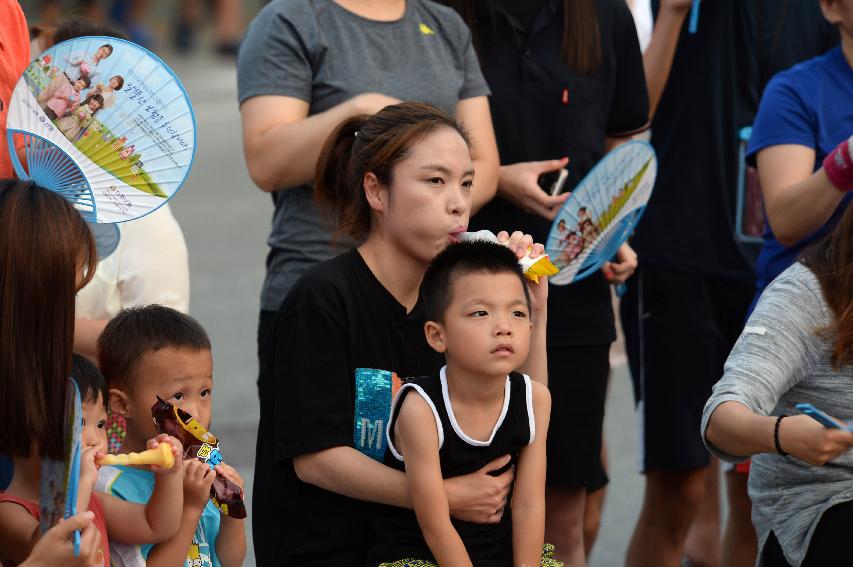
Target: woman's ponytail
point(335, 188)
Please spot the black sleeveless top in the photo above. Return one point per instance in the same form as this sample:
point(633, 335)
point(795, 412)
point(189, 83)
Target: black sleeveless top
point(396, 531)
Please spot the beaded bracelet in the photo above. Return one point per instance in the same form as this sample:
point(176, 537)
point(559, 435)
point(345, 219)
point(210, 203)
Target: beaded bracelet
point(776, 436)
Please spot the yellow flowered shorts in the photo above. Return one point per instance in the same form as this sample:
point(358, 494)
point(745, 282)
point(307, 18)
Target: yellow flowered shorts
point(547, 560)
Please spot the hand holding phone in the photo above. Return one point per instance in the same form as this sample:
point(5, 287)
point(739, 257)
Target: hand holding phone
point(822, 418)
point(558, 185)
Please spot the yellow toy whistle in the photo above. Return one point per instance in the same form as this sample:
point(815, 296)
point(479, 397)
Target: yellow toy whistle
point(160, 455)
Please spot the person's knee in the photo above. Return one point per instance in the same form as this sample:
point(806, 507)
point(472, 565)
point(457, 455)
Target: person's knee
point(675, 495)
point(565, 511)
point(592, 515)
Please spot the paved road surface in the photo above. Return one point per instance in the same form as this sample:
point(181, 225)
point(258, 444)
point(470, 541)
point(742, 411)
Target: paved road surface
point(225, 219)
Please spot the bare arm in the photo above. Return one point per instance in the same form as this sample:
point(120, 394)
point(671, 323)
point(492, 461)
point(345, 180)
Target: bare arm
point(478, 497)
point(417, 439)
point(657, 60)
point(475, 116)
point(528, 501)
point(86, 333)
point(160, 518)
point(348, 472)
point(173, 552)
point(197, 480)
point(282, 143)
point(736, 430)
point(231, 542)
point(797, 201)
point(536, 365)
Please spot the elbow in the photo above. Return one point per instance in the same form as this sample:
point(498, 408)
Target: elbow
point(786, 238)
point(711, 435)
point(260, 172)
point(437, 532)
point(714, 434)
point(261, 178)
point(306, 469)
point(165, 530)
point(786, 232)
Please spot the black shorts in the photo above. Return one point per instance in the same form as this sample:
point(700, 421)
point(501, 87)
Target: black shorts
point(577, 378)
point(679, 328)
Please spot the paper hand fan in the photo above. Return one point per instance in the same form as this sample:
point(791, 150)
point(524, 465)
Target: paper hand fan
point(106, 124)
point(602, 212)
point(59, 479)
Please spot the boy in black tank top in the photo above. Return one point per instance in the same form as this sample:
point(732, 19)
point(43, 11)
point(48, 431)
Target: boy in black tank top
point(474, 410)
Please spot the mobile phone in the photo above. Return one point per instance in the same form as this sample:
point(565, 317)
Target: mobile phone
point(821, 417)
point(554, 181)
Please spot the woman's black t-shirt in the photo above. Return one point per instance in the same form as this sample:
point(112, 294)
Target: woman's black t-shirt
point(541, 109)
point(337, 318)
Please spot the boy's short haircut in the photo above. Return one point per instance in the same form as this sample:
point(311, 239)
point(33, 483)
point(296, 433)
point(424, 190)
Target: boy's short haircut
point(461, 259)
point(71, 28)
point(139, 330)
point(90, 381)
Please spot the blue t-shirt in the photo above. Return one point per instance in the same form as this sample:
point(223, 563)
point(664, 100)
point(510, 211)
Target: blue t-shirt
point(809, 105)
point(135, 485)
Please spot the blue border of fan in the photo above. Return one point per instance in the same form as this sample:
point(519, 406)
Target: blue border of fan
point(618, 233)
point(83, 192)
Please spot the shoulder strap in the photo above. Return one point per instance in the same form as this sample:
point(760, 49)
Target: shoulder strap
point(523, 380)
point(32, 508)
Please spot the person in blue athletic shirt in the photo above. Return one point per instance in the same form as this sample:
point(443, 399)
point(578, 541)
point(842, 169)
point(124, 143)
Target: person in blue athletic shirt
point(799, 143)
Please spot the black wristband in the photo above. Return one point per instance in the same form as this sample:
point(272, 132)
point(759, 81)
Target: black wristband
point(776, 436)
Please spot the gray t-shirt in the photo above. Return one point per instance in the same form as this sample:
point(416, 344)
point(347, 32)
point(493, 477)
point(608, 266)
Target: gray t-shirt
point(778, 362)
point(319, 52)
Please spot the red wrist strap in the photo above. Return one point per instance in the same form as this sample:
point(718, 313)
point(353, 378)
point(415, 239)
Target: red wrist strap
point(838, 165)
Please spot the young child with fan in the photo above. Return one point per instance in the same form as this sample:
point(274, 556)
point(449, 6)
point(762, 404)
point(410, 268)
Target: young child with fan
point(65, 98)
point(79, 118)
point(36, 344)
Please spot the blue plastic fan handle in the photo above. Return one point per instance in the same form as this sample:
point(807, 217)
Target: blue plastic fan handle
point(693, 26)
point(74, 472)
point(71, 507)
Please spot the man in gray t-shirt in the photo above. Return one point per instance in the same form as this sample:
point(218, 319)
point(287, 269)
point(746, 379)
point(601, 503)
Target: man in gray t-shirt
point(323, 54)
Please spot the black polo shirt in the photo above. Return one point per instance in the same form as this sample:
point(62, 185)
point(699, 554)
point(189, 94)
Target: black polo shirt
point(541, 109)
point(711, 93)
